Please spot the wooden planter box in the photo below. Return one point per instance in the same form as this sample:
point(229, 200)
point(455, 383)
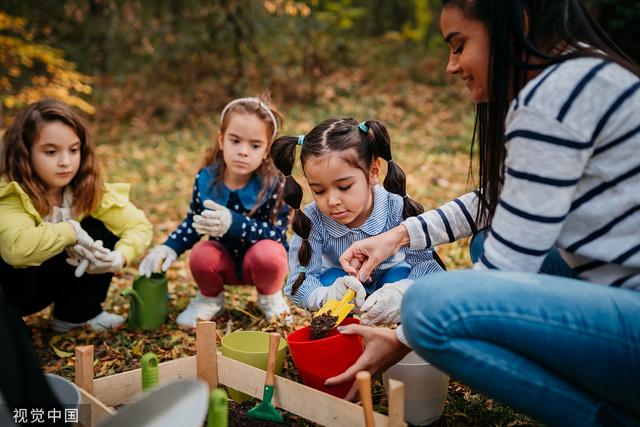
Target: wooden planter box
point(99, 396)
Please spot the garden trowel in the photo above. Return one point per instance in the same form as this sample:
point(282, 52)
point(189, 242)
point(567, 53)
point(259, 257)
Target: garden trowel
point(339, 309)
point(180, 403)
point(265, 410)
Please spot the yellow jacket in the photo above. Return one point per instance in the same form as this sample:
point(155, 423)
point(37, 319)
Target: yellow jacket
point(26, 240)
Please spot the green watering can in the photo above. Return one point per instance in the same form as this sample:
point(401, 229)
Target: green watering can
point(149, 301)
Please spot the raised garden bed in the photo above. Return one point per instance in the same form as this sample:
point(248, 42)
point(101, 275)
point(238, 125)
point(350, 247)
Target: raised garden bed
point(100, 396)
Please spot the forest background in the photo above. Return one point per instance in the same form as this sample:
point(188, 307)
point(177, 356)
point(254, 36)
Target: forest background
point(150, 78)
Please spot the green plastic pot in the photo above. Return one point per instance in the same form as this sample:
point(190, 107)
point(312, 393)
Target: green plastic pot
point(252, 348)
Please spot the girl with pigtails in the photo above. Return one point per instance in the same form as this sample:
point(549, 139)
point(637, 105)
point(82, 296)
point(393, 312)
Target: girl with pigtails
point(340, 161)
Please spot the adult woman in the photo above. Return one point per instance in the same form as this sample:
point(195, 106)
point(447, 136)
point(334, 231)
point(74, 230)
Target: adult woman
point(561, 170)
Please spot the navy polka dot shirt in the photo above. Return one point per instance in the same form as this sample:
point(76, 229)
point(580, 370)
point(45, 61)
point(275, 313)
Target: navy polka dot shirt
point(245, 230)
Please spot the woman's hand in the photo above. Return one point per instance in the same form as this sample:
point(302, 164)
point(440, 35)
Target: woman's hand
point(372, 251)
point(382, 349)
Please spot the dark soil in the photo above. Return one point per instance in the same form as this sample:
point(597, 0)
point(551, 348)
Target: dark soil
point(238, 415)
point(322, 325)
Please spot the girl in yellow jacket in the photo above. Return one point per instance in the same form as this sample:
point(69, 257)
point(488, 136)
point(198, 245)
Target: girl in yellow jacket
point(64, 232)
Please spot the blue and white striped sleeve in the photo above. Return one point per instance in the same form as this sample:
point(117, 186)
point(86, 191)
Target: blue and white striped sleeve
point(313, 270)
point(452, 221)
point(545, 160)
point(421, 262)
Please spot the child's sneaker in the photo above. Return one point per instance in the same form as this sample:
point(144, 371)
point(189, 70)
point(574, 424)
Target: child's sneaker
point(101, 322)
point(201, 307)
point(274, 305)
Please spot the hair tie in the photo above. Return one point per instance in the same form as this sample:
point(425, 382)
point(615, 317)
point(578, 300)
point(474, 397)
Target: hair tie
point(260, 104)
point(300, 139)
point(406, 195)
point(302, 269)
point(390, 161)
point(363, 127)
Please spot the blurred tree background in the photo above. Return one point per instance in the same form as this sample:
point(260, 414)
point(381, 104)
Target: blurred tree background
point(173, 59)
point(151, 77)
point(177, 58)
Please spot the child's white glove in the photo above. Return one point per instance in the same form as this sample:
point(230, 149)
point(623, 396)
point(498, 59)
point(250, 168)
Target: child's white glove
point(319, 296)
point(152, 261)
point(83, 239)
point(213, 221)
point(383, 306)
point(101, 259)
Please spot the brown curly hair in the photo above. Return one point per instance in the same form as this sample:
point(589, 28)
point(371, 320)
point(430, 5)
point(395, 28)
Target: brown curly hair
point(87, 184)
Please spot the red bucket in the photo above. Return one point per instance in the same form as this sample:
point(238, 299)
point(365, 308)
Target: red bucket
point(320, 359)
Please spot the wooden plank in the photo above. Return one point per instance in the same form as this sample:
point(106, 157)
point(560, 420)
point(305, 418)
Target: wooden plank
point(91, 410)
point(290, 396)
point(122, 388)
point(396, 403)
point(309, 403)
point(84, 367)
point(206, 353)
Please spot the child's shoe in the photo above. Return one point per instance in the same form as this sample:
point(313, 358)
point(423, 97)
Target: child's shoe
point(201, 307)
point(101, 322)
point(274, 305)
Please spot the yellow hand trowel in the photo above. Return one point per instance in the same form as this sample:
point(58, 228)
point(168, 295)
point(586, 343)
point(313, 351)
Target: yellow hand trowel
point(339, 309)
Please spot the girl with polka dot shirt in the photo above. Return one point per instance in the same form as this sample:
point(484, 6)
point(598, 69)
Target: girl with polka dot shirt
point(237, 204)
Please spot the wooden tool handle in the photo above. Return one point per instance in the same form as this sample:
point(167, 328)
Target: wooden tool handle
point(274, 341)
point(364, 386)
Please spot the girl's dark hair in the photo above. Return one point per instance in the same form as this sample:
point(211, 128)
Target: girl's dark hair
point(270, 175)
point(562, 26)
point(358, 148)
point(15, 156)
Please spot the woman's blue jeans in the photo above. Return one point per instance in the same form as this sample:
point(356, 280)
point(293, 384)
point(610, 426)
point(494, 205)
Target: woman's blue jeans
point(564, 351)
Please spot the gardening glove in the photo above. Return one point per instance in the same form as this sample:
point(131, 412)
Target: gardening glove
point(83, 239)
point(383, 306)
point(101, 259)
point(152, 261)
point(213, 221)
point(319, 296)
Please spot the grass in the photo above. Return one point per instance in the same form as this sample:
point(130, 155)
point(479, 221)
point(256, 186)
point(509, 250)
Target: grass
point(430, 128)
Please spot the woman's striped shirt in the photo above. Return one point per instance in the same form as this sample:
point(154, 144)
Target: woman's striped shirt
point(572, 179)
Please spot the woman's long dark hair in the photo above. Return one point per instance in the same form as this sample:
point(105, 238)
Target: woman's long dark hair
point(562, 26)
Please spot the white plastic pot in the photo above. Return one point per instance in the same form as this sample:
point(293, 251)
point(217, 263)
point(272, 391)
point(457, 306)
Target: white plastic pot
point(425, 389)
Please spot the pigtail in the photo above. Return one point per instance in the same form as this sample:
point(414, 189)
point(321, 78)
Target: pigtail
point(283, 152)
point(396, 180)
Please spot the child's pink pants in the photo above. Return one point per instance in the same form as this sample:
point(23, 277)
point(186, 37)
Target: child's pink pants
point(264, 266)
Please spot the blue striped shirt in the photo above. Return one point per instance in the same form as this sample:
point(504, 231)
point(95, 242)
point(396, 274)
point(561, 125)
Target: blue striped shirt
point(330, 239)
point(572, 178)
